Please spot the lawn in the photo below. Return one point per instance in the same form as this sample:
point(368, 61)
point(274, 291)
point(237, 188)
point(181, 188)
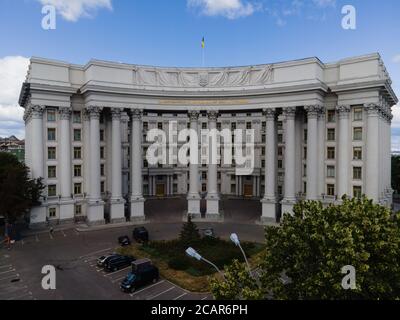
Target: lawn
point(193, 275)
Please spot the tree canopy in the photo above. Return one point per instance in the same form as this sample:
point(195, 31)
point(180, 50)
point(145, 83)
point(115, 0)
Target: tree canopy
point(18, 192)
point(311, 247)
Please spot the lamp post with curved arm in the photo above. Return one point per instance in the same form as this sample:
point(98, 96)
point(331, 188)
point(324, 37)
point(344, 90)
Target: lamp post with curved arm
point(194, 254)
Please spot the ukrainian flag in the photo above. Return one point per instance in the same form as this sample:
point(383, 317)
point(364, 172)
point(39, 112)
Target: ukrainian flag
point(203, 43)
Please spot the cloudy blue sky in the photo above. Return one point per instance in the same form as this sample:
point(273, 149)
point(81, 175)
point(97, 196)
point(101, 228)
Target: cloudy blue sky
point(168, 33)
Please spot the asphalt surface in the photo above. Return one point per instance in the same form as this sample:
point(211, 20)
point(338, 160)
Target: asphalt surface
point(74, 253)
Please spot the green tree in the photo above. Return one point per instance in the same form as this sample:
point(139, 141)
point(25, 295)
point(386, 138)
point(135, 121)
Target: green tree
point(189, 234)
point(313, 245)
point(238, 284)
point(18, 192)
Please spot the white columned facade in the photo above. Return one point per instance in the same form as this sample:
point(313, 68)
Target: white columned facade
point(66, 201)
point(95, 210)
point(193, 196)
point(137, 200)
point(312, 152)
point(212, 183)
point(38, 214)
point(117, 203)
point(372, 155)
point(321, 152)
point(344, 140)
point(290, 161)
point(269, 201)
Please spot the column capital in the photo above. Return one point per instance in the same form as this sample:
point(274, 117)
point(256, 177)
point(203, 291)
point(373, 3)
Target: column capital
point(372, 109)
point(321, 112)
point(115, 113)
point(36, 111)
point(65, 113)
point(289, 113)
point(94, 112)
point(193, 115)
point(212, 115)
point(136, 114)
point(343, 111)
point(312, 111)
point(270, 113)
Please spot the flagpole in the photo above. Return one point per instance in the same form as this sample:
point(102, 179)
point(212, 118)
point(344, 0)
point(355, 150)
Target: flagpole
point(203, 57)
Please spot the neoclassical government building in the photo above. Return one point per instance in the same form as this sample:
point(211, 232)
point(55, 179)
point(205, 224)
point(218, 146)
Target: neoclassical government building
point(321, 130)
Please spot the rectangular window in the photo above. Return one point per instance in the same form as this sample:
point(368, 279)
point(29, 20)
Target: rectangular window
point(77, 134)
point(280, 138)
point(280, 164)
point(305, 134)
point(331, 152)
point(51, 153)
point(78, 209)
point(358, 114)
point(51, 190)
point(102, 186)
point(357, 153)
point(280, 151)
point(77, 171)
point(77, 117)
point(51, 134)
point(331, 135)
point(51, 172)
point(357, 173)
point(160, 125)
point(248, 125)
point(331, 116)
point(263, 138)
point(52, 212)
point(304, 170)
point(330, 171)
point(357, 191)
point(357, 134)
point(77, 188)
point(51, 115)
point(233, 126)
point(305, 153)
point(330, 189)
point(102, 155)
point(102, 169)
point(101, 135)
point(77, 153)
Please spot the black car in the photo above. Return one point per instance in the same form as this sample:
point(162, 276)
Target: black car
point(101, 261)
point(124, 241)
point(117, 263)
point(140, 234)
point(143, 272)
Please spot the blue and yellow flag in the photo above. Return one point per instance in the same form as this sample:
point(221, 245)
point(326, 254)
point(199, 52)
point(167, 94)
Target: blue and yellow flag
point(203, 43)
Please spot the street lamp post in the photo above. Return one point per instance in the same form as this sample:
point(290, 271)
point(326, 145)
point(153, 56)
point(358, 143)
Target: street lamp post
point(194, 254)
point(235, 239)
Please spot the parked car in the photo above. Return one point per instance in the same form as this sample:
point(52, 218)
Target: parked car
point(101, 261)
point(207, 232)
point(118, 263)
point(143, 272)
point(124, 241)
point(140, 234)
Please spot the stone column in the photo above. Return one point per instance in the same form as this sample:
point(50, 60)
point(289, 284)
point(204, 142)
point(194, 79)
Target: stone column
point(321, 152)
point(269, 202)
point(117, 203)
point(95, 212)
point(212, 181)
point(343, 156)
point(38, 213)
point(312, 152)
point(137, 200)
point(290, 161)
point(372, 154)
point(65, 177)
point(193, 196)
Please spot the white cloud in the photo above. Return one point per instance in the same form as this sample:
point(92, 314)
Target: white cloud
point(13, 70)
point(72, 10)
point(396, 58)
point(230, 9)
point(325, 3)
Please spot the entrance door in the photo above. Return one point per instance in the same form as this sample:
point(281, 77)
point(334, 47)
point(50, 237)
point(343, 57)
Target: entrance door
point(160, 190)
point(248, 190)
